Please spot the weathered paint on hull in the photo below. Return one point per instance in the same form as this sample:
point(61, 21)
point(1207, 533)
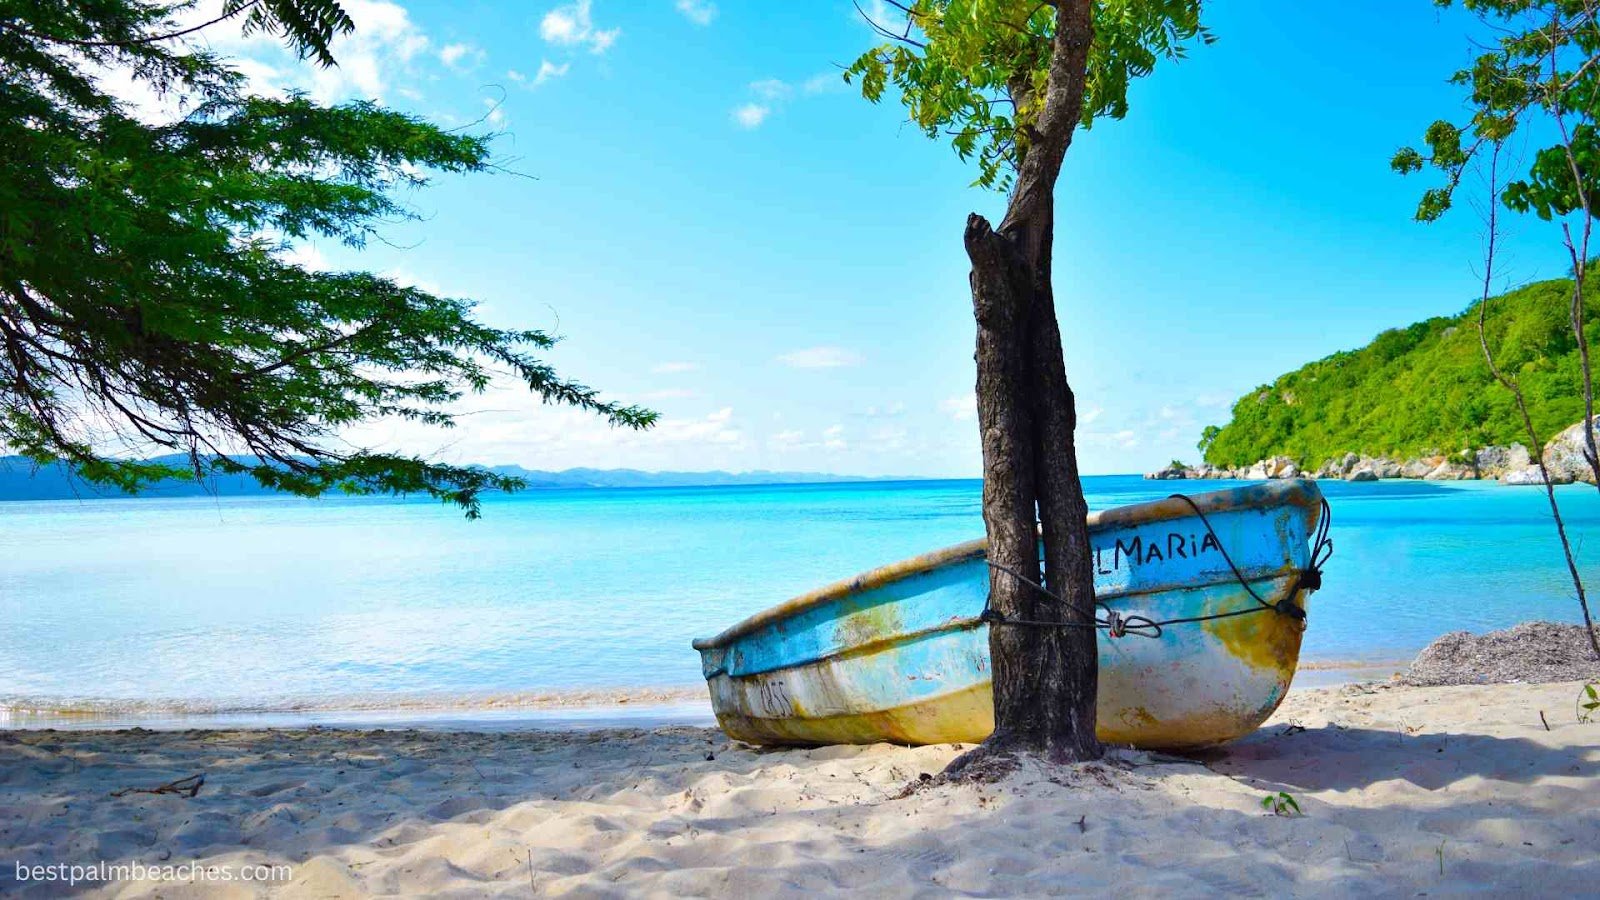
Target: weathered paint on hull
point(899, 654)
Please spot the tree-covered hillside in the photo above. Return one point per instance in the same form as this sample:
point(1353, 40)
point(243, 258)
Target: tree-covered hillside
point(1420, 389)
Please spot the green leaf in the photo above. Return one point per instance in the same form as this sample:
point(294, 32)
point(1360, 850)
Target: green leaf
point(145, 291)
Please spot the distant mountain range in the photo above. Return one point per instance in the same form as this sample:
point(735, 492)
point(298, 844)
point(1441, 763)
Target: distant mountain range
point(20, 479)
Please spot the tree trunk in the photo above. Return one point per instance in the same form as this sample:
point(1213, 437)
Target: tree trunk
point(1045, 678)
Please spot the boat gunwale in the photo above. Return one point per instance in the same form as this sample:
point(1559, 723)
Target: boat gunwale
point(1288, 492)
point(967, 623)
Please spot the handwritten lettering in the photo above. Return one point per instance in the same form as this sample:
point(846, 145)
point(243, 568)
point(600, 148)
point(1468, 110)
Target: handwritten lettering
point(1143, 549)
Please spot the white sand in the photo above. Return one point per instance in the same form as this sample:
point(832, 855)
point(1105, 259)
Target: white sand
point(1395, 783)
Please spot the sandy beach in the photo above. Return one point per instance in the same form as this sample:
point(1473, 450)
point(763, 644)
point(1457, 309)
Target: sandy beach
point(1404, 791)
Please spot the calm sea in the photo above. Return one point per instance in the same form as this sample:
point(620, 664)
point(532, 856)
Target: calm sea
point(256, 603)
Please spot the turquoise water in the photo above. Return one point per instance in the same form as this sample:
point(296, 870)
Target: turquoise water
point(261, 602)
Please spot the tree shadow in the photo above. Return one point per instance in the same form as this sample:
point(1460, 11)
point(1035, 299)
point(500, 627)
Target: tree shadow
point(624, 811)
point(1337, 757)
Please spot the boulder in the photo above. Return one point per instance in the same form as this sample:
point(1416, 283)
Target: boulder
point(1386, 468)
point(1339, 466)
point(1449, 471)
point(1567, 453)
point(1420, 467)
point(1518, 457)
point(1530, 475)
point(1492, 462)
point(1257, 472)
point(1362, 475)
point(1170, 473)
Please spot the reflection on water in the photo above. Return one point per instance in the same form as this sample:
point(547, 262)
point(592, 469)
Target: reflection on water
point(261, 604)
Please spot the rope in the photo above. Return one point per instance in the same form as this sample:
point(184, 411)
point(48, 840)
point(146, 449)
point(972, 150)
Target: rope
point(1118, 625)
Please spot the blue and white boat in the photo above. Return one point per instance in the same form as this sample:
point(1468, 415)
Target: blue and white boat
point(1202, 603)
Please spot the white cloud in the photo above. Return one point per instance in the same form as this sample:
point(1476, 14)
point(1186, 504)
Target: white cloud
point(573, 26)
point(889, 410)
point(771, 94)
point(496, 115)
point(461, 57)
point(384, 46)
point(516, 76)
point(700, 12)
point(549, 70)
point(833, 438)
point(507, 424)
point(384, 42)
point(1087, 416)
point(881, 13)
point(820, 358)
point(716, 428)
point(790, 438)
point(770, 89)
point(674, 368)
point(305, 255)
point(960, 407)
point(751, 115)
point(824, 83)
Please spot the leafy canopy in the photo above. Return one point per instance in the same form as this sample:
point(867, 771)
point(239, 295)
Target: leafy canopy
point(146, 303)
point(976, 70)
point(1421, 389)
point(1540, 77)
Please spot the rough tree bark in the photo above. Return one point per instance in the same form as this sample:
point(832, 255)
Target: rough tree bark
point(1045, 679)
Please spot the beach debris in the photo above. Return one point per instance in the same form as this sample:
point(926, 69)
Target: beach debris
point(1281, 803)
point(1294, 728)
point(186, 787)
point(1529, 653)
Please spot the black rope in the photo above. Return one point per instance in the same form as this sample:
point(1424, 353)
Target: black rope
point(1113, 621)
point(1117, 625)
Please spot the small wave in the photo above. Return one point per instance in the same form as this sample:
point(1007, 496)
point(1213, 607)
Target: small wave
point(1353, 665)
point(68, 708)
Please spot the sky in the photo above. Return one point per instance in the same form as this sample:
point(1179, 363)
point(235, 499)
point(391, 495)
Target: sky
point(722, 230)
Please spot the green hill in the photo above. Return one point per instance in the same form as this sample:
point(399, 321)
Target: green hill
point(1422, 389)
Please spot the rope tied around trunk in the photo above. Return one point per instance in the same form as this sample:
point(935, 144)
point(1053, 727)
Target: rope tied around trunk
point(1117, 624)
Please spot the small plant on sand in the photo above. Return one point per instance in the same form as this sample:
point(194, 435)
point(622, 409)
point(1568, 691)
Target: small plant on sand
point(1281, 803)
point(1588, 702)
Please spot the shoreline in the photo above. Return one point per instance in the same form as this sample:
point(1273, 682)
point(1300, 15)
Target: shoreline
point(556, 710)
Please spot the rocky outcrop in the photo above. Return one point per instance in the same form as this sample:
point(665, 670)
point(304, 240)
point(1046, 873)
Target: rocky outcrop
point(1566, 457)
point(1495, 462)
point(1420, 467)
point(1531, 475)
point(1174, 471)
point(1451, 471)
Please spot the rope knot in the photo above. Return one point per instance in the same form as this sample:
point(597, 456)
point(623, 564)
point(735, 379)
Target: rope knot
point(1290, 609)
point(1116, 625)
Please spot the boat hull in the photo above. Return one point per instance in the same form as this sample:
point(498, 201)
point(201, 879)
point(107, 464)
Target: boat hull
point(901, 654)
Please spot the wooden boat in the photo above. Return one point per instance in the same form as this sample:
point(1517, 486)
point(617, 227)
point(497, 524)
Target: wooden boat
point(901, 653)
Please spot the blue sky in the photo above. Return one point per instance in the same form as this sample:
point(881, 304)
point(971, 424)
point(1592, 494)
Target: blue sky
point(723, 231)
